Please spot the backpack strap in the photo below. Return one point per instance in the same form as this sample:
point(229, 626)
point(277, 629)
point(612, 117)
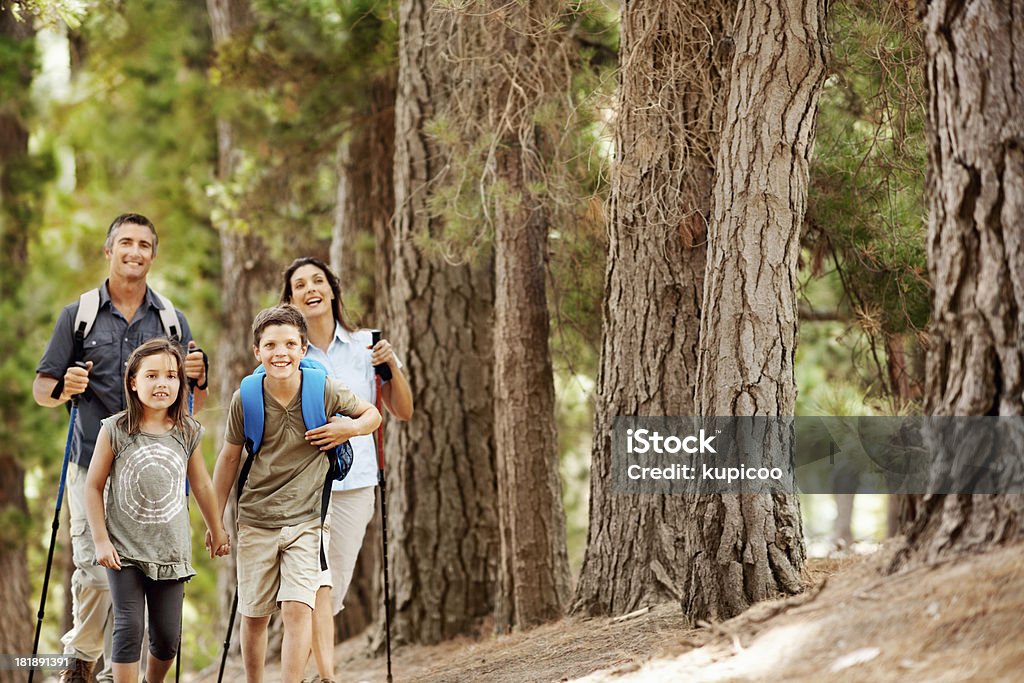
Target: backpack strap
point(251, 391)
point(314, 381)
point(168, 317)
point(314, 414)
point(88, 308)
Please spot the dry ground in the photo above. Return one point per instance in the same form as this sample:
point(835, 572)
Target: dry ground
point(957, 621)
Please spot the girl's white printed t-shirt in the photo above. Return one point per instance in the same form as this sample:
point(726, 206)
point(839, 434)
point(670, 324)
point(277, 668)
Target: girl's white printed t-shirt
point(348, 360)
point(145, 502)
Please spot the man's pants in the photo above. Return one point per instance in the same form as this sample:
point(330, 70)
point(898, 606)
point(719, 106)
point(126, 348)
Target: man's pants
point(91, 634)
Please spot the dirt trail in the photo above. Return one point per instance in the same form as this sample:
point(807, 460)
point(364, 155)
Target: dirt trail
point(951, 622)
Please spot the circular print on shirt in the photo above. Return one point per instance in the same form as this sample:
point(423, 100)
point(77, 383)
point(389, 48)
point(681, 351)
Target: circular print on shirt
point(152, 486)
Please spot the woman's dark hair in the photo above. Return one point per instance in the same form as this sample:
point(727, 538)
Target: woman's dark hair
point(339, 309)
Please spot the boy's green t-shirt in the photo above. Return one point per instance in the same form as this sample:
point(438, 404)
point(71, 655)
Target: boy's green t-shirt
point(286, 480)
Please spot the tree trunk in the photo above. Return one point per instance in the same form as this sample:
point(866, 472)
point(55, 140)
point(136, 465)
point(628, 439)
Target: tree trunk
point(365, 209)
point(443, 519)
point(341, 235)
point(17, 217)
point(975, 363)
point(242, 284)
point(361, 241)
point(749, 548)
point(670, 79)
point(504, 66)
point(534, 572)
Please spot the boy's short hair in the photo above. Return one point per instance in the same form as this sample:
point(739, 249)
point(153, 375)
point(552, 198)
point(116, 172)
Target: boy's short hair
point(285, 314)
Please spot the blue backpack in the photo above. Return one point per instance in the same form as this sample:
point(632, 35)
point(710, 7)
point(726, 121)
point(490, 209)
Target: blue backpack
point(314, 414)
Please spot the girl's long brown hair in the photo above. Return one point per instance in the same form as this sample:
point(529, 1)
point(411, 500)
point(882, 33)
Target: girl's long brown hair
point(178, 412)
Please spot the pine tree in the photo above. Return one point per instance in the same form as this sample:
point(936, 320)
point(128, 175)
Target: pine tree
point(975, 363)
point(746, 548)
point(670, 89)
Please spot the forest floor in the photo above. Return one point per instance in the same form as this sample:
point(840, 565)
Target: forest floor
point(954, 621)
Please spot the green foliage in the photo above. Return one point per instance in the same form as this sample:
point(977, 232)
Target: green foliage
point(864, 258)
point(140, 137)
point(534, 98)
point(865, 219)
point(294, 85)
point(575, 416)
point(23, 178)
point(866, 202)
point(18, 59)
point(50, 12)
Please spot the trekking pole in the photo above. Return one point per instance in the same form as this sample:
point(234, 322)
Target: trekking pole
point(56, 524)
point(227, 638)
point(382, 481)
point(192, 383)
point(383, 372)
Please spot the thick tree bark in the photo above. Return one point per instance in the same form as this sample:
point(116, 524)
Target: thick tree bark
point(975, 364)
point(17, 217)
point(670, 79)
point(534, 559)
point(749, 548)
point(442, 512)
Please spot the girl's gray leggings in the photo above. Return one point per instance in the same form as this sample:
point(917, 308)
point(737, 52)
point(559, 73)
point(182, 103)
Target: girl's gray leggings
point(131, 591)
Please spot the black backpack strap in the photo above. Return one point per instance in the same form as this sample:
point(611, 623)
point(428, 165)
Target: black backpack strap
point(246, 466)
point(325, 507)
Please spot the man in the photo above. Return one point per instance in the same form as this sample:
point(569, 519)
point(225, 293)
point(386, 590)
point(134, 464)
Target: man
point(128, 315)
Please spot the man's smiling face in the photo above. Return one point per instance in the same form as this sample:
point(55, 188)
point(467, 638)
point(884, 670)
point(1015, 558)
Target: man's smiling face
point(131, 252)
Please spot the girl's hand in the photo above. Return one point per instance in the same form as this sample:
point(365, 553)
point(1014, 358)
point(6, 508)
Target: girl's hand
point(382, 353)
point(217, 543)
point(107, 556)
point(336, 432)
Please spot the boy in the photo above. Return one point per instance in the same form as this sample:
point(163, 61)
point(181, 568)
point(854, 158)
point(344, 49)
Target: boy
point(278, 549)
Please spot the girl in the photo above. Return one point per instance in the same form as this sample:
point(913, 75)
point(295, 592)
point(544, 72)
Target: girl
point(142, 532)
point(348, 355)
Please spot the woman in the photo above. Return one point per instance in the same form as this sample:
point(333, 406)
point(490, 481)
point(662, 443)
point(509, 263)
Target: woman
point(349, 356)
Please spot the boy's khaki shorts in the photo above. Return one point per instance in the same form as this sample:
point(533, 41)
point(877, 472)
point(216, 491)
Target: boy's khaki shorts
point(277, 565)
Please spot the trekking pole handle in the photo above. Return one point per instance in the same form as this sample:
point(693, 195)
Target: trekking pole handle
point(85, 366)
point(383, 369)
point(192, 381)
